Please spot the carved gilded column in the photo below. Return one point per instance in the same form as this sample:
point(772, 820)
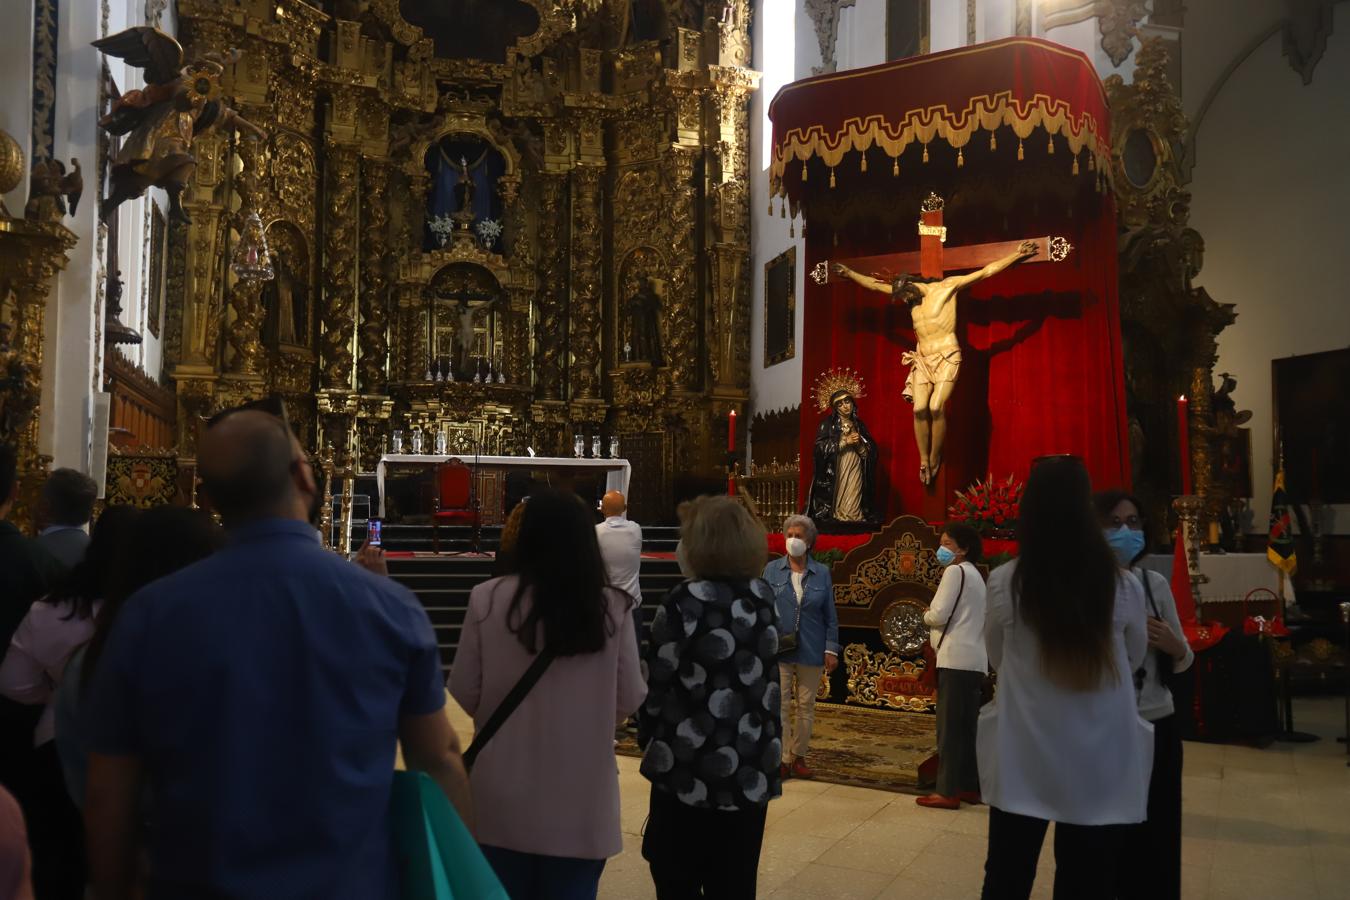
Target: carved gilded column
point(585, 309)
point(550, 328)
point(373, 343)
point(338, 313)
point(682, 304)
point(246, 295)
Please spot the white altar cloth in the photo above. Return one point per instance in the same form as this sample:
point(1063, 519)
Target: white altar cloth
point(1232, 576)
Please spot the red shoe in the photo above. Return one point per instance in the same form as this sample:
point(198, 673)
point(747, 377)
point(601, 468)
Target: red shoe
point(937, 801)
point(801, 770)
point(784, 771)
point(971, 797)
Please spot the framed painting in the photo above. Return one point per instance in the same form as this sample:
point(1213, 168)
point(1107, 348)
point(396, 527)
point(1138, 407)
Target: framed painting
point(1312, 421)
point(780, 307)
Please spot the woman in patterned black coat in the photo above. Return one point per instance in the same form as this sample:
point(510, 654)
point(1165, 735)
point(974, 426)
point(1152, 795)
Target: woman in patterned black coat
point(710, 725)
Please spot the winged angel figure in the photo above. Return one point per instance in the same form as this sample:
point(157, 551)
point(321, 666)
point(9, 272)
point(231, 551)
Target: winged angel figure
point(179, 102)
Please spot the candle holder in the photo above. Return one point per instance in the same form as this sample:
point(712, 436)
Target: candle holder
point(579, 446)
point(441, 441)
point(614, 447)
point(1189, 509)
point(396, 441)
point(595, 446)
point(417, 441)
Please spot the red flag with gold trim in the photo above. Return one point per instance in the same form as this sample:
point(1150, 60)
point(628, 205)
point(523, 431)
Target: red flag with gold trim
point(1280, 547)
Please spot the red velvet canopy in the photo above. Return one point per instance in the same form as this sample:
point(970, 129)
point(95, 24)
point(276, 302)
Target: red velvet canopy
point(1042, 370)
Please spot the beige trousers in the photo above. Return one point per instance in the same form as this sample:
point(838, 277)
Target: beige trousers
point(799, 684)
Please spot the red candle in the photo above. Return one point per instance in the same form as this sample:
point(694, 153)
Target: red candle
point(1184, 441)
point(731, 431)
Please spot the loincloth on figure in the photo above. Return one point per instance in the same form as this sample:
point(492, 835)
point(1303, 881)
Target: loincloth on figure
point(937, 367)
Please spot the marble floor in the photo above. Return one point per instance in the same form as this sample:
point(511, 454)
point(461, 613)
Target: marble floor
point(1271, 824)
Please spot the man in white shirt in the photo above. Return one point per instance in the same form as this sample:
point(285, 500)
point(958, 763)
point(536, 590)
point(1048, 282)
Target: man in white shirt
point(620, 545)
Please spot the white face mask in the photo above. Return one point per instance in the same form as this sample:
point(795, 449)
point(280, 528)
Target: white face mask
point(796, 547)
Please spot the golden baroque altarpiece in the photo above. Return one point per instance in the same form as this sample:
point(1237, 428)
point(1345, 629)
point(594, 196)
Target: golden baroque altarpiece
point(475, 214)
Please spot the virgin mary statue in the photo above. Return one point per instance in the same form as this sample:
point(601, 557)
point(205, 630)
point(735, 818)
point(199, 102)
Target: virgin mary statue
point(844, 480)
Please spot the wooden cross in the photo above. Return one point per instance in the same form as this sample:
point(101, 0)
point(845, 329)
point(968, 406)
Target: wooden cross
point(934, 260)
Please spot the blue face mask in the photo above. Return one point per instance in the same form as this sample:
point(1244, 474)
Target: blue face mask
point(1126, 543)
point(945, 557)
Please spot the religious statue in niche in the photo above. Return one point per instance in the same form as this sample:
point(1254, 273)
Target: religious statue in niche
point(178, 103)
point(644, 324)
point(936, 361)
point(287, 306)
point(843, 485)
point(468, 313)
point(463, 202)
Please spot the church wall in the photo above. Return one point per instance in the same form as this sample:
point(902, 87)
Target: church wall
point(16, 74)
point(1269, 195)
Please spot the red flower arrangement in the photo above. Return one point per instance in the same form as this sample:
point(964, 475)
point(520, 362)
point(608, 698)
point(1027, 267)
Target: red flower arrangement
point(988, 505)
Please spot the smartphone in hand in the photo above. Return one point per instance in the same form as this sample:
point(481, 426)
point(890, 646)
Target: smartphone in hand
point(373, 535)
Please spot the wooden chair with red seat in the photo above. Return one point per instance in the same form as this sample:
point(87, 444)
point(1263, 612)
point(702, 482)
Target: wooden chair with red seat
point(455, 501)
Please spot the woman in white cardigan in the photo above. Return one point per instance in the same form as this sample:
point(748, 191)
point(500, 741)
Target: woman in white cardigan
point(1063, 741)
point(955, 620)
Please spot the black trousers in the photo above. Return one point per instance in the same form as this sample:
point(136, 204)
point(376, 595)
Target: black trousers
point(1151, 868)
point(1085, 858)
point(958, 715)
point(702, 853)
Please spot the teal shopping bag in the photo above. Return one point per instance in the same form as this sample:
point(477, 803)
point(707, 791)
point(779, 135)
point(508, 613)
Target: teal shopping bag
point(438, 858)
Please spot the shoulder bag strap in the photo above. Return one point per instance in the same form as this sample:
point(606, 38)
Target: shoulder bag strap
point(1148, 592)
point(508, 705)
point(961, 567)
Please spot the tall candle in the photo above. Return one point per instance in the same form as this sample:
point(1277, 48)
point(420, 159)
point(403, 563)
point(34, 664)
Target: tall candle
point(731, 430)
point(1184, 442)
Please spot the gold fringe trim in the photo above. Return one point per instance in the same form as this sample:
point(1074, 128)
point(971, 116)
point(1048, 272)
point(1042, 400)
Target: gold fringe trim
point(925, 153)
point(1020, 154)
point(1081, 131)
point(1050, 146)
point(831, 177)
point(895, 166)
point(1075, 165)
point(863, 165)
point(960, 159)
point(993, 142)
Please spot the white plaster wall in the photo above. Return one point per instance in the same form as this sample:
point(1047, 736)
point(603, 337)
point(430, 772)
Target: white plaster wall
point(778, 386)
point(1269, 196)
point(16, 101)
point(861, 38)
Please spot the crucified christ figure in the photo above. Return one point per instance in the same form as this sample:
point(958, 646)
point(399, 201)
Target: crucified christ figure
point(936, 361)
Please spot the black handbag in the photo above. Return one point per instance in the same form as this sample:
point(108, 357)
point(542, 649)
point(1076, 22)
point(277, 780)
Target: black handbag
point(787, 643)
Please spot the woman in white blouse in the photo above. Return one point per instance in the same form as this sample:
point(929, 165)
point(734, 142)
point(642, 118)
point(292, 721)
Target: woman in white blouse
point(1152, 848)
point(955, 621)
point(1063, 741)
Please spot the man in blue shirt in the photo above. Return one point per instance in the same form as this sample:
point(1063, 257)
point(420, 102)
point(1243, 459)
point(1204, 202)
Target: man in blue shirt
point(259, 694)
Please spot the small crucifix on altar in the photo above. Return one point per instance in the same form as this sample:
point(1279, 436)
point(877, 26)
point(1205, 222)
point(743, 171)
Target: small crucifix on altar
point(936, 360)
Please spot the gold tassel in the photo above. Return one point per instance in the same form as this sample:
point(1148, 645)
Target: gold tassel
point(835, 238)
point(1020, 154)
point(895, 165)
point(993, 141)
point(863, 165)
point(831, 177)
point(770, 207)
point(925, 153)
point(960, 158)
point(782, 210)
point(1092, 162)
point(791, 233)
point(1050, 145)
point(1075, 164)
point(803, 170)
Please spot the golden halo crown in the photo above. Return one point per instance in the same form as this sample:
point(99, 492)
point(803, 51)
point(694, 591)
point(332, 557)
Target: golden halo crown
point(831, 382)
point(202, 81)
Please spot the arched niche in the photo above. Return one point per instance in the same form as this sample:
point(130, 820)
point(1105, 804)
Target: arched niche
point(288, 308)
point(641, 301)
point(465, 318)
point(465, 171)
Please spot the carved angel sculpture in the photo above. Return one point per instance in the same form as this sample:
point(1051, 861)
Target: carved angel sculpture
point(179, 102)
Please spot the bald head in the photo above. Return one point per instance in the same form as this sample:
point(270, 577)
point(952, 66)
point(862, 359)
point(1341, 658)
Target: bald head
point(246, 462)
point(613, 504)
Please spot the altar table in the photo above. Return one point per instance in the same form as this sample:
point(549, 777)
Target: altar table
point(617, 471)
point(1232, 576)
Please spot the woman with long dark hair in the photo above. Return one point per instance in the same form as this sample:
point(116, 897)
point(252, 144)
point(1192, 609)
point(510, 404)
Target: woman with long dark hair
point(159, 542)
point(546, 787)
point(1063, 741)
point(1151, 865)
point(34, 668)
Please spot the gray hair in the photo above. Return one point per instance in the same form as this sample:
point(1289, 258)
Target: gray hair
point(806, 523)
